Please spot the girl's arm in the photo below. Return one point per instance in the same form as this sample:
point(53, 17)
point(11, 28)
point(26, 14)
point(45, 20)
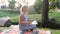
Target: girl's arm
point(21, 20)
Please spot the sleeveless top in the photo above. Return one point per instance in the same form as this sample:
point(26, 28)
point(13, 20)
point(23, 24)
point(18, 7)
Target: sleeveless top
point(26, 26)
point(22, 27)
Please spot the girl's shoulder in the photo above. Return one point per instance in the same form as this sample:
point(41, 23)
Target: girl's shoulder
point(21, 15)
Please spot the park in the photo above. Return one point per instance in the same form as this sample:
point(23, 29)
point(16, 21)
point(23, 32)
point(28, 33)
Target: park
point(45, 12)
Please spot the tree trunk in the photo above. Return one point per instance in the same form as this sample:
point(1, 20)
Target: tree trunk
point(45, 13)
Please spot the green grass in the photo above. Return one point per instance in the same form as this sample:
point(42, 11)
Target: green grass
point(15, 16)
point(33, 16)
point(9, 13)
point(56, 16)
point(53, 31)
point(4, 28)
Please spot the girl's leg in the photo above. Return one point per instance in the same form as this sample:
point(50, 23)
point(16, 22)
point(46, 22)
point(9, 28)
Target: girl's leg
point(29, 31)
point(35, 31)
point(22, 32)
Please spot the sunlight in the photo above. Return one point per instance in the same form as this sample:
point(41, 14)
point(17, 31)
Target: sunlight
point(27, 2)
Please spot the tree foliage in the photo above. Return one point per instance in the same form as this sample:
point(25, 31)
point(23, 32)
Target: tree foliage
point(58, 4)
point(52, 0)
point(38, 6)
point(12, 4)
point(52, 4)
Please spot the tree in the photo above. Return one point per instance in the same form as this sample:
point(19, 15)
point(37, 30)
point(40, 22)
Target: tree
point(52, 0)
point(45, 13)
point(12, 4)
point(38, 6)
point(52, 4)
point(58, 4)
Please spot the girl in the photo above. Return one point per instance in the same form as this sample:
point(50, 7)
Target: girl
point(24, 24)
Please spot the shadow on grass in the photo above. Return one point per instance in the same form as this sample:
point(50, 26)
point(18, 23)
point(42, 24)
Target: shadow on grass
point(57, 26)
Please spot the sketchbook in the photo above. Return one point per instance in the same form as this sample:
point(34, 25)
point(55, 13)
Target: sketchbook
point(34, 22)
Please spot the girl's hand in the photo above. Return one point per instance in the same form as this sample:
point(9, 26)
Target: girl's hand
point(28, 23)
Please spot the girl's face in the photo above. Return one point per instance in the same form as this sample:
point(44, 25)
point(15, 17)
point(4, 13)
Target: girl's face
point(25, 10)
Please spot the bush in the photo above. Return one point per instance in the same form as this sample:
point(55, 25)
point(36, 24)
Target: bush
point(56, 16)
point(15, 19)
point(38, 17)
point(9, 13)
point(15, 16)
point(54, 20)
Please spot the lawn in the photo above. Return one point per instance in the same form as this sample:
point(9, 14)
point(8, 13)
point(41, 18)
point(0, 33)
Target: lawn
point(56, 16)
point(9, 13)
point(15, 15)
point(53, 31)
point(3, 28)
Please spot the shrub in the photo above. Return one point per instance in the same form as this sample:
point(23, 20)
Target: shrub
point(15, 19)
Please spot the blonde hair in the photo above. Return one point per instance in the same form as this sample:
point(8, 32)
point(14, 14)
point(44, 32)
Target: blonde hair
point(21, 9)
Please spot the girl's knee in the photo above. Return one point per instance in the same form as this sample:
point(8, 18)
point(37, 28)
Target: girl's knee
point(22, 32)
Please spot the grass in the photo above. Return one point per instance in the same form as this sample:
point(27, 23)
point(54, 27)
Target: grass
point(3, 28)
point(15, 15)
point(9, 13)
point(53, 31)
point(56, 16)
